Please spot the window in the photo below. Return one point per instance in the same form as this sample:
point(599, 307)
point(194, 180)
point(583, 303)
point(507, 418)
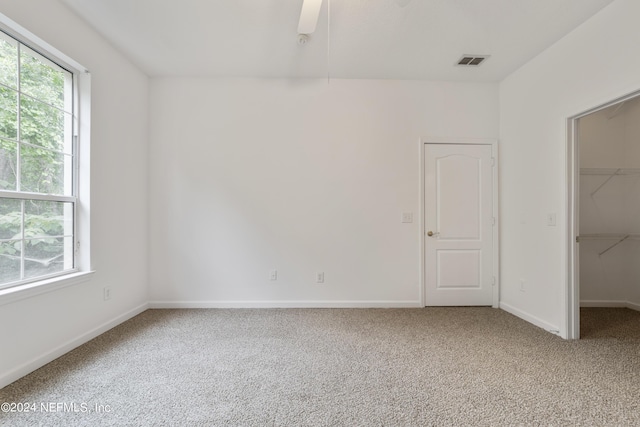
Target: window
point(38, 165)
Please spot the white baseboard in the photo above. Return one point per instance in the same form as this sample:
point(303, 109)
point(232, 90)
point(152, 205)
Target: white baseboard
point(610, 304)
point(50, 356)
point(633, 306)
point(603, 304)
point(530, 318)
point(285, 304)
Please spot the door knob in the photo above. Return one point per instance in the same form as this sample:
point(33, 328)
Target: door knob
point(429, 233)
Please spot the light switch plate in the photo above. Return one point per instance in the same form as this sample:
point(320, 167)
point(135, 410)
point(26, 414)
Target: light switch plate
point(407, 217)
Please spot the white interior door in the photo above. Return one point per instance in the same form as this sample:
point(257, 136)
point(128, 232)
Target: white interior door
point(458, 225)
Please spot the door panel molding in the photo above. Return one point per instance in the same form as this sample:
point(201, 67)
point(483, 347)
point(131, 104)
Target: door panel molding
point(493, 143)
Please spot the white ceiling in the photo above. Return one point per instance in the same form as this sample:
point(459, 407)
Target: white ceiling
point(386, 39)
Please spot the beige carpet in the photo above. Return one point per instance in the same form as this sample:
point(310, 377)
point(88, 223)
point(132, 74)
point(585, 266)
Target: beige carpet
point(341, 367)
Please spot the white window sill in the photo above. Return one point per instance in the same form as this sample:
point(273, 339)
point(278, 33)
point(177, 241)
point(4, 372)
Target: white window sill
point(29, 290)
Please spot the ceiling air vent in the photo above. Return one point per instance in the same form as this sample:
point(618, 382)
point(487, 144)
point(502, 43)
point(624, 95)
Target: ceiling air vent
point(472, 60)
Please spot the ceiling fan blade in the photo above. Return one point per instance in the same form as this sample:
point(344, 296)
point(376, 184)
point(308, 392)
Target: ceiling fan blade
point(309, 16)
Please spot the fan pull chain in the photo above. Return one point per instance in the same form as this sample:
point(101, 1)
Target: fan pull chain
point(328, 41)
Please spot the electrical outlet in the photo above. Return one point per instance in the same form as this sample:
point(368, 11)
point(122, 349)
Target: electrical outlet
point(551, 220)
point(407, 217)
point(273, 275)
point(320, 277)
point(522, 288)
point(106, 293)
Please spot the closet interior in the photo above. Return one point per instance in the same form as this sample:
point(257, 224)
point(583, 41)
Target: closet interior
point(609, 210)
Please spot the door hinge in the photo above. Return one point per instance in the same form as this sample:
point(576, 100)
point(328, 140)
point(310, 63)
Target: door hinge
point(493, 220)
point(493, 281)
point(493, 161)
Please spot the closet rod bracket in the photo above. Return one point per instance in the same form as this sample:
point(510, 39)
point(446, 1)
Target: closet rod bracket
point(615, 244)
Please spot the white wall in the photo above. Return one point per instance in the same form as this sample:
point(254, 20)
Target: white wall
point(609, 139)
point(589, 67)
point(298, 176)
point(39, 328)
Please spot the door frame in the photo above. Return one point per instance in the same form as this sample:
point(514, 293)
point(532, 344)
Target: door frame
point(495, 209)
point(572, 288)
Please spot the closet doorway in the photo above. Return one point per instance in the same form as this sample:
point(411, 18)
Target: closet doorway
point(606, 216)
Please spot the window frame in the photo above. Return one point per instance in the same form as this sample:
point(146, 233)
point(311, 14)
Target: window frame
point(80, 185)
